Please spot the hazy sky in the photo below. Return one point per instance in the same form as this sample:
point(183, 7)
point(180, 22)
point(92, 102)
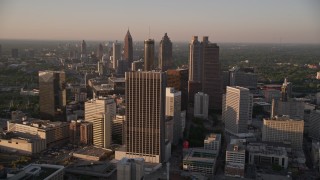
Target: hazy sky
point(288, 21)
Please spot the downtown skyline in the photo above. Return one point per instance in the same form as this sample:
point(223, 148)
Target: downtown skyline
point(233, 21)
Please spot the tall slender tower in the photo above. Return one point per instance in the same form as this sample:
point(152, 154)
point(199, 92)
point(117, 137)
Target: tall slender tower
point(83, 49)
point(238, 109)
point(211, 73)
point(145, 113)
point(52, 96)
point(116, 54)
point(195, 61)
point(128, 48)
point(148, 54)
point(165, 53)
point(100, 52)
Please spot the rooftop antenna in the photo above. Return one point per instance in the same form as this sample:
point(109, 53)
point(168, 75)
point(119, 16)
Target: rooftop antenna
point(149, 31)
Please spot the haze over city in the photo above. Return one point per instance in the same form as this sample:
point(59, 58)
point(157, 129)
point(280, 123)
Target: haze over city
point(287, 21)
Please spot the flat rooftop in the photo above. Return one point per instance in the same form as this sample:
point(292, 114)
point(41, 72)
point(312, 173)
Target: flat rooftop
point(264, 149)
point(202, 155)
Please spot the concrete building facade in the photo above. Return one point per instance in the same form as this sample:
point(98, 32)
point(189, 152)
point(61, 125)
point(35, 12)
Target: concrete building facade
point(201, 105)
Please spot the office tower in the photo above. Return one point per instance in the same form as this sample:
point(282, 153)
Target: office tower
point(314, 128)
point(118, 131)
point(193, 88)
point(137, 65)
point(165, 53)
point(212, 142)
point(74, 132)
point(283, 129)
point(212, 75)
point(148, 54)
point(195, 61)
point(173, 109)
point(201, 105)
point(15, 53)
point(242, 77)
point(100, 52)
point(116, 55)
point(83, 49)
point(291, 107)
point(237, 110)
point(270, 94)
point(286, 90)
point(128, 48)
point(145, 113)
point(122, 67)
point(235, 160)
point(178, 79)
point(318, 75)
point(100, 113)
point(52, 95)
point(130, 169)
point(86, 133)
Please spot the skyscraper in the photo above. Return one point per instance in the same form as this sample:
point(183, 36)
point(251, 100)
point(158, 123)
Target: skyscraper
point(148, 54)
point(100, 52)
point(83, 49)
point(178, 78)
point(195, 61)
point(211, 73)
point(145, 115)
point(201, 105)
point(100, 113)
point(238, 109)
point(116, 54)
point(165, 53)
point(52, 95)
point(173, 109)
point(128, 48)
point(130, 169)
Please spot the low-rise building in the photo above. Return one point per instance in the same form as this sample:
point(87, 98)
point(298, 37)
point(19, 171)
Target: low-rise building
point(263, 154)
point(212, 142)
point(52, 132)
point(22, 145)
point(235, 160)
point(200, 160)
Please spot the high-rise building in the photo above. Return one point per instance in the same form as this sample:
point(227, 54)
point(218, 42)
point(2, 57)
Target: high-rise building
point(130, 169)
point(137, 65)
point(83, 49)
point(118, 131)
point(80, 132)
point(201, 105)
point(128, 48)
point(145, 116)
point(15, 53)
point(86, 133)
point(148, 54)
point(165, 53)
point(100, 113)
point(173, 109)
point(290, 107)
point(100, 52)
point(178, 79)
point(283, 129)
point(116, 55)
point(286, 90)
point(240, 77)
point(238, 109)
point(211, 73)
point(195, 61)
point(314, 125)
point(0, 50)
point(52, 95)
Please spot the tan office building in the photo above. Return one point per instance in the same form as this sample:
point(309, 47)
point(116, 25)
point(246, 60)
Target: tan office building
point(283, 129)
point(100, 113)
